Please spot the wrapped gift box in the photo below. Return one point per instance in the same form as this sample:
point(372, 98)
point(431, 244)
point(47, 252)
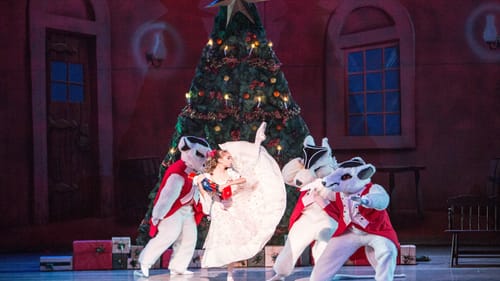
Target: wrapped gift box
point(165, 258)
point(92, 254)
point(258, 260)
point(56, 263)
point(271, 253)
point(408, 254)
point(242, 263)
point(133, 264)
point(121, 245)
point(196, 260)
point(120, 261)
point(133, 260)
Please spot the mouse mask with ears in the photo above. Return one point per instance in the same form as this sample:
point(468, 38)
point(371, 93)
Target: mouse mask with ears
point(350, 177)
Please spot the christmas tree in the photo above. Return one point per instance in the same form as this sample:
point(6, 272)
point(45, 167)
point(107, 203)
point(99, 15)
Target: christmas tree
point(238, 83)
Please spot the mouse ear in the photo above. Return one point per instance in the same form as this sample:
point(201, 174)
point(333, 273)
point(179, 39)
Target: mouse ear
point(184, 144)
point(367, 172)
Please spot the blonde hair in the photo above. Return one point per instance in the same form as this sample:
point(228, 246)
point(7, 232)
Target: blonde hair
point(212, 161)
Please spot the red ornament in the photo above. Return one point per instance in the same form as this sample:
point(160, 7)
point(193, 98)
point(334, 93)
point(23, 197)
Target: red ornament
point(201, 93)
point(273, 142)
point(219, 41)
point(276, 94)
point(246, 96)
point(235, 135)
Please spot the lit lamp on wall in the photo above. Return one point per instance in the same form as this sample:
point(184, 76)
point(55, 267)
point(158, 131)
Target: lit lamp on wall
point(490, 35)
point(158, 51)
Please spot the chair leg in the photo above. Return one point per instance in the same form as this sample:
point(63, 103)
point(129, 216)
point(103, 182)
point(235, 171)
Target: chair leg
point(454, 250)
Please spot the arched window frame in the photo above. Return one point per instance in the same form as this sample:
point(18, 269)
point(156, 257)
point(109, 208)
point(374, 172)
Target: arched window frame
point(335, 80)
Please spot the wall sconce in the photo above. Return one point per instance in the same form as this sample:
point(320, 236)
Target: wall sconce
point(158, 51)
point(490, 32)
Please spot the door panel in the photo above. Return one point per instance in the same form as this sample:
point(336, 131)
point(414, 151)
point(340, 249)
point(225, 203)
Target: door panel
point(73, 189)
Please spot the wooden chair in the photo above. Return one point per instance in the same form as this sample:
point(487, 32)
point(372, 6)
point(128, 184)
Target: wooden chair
point(477, 216)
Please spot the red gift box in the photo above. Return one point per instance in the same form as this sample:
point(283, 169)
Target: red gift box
point(92, 254)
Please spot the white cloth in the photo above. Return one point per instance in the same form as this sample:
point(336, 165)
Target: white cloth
point(314, 225)
point(167, 197)
point(178, 230)
point(380, 252)
point(240, 230)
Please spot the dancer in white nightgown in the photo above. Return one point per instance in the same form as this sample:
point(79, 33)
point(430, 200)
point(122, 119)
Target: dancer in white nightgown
point(240, 225)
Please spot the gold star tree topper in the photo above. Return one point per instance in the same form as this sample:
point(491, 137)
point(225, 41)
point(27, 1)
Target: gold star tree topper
point(234, 6)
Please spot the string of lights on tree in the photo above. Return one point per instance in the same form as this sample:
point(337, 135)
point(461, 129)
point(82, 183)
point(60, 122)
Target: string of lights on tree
point(238, 83)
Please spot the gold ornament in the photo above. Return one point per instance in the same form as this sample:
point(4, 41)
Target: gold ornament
point(273, 80)
point(217, 128)
point(226, 78)
point(234, 6)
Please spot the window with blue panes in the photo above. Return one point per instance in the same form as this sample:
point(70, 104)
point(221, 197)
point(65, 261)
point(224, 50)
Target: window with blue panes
point(66, 82)
point(373, 91)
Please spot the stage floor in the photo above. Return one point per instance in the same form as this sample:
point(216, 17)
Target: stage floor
point(25, 267)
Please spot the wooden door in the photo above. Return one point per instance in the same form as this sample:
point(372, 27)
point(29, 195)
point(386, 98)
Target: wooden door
point(71, 126)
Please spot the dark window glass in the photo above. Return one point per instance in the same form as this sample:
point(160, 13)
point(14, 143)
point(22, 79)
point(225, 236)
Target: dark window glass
point(357, 126)
point(58, 71)
point(66, 82)
point(374, 91)
point(374, 81)
point(393, 124)
point(58, 91)
point(75, 93)
point(356, 104)
point(374, 103)
point(356, 83)
point(355, 62)
point(76, 73)
point(375, 124)
point(392, 102)
point(391, 57)
point(392, 79)
point(374, 59)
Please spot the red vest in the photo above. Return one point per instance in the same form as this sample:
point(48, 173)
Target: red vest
point(379, 222)
point(179, 168)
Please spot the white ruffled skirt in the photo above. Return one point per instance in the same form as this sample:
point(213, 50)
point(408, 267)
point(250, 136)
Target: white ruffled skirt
point(240, 231)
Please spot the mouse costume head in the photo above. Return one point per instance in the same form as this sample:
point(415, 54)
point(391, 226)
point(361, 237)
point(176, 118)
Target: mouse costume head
point(350, 177)
point(316, 163)
point(193, 151)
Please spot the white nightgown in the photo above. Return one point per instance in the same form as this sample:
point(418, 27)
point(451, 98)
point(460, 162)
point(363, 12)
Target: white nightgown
point(240, 229)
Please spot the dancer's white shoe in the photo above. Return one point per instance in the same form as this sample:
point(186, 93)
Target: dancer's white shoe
point(277, 277)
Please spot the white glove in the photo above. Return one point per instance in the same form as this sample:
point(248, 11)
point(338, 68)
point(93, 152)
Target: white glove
point(320, 201)
point(361, 200)
point(315, 186)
